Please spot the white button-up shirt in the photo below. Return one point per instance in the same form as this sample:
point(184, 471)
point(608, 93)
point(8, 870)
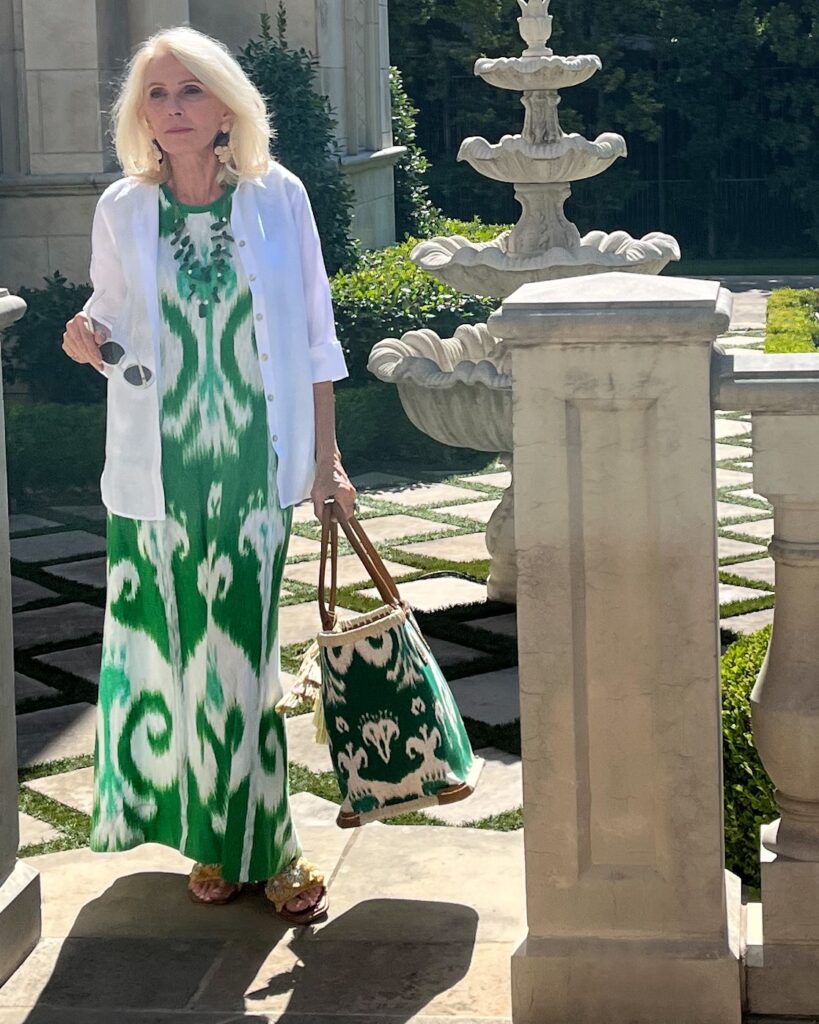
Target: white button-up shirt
point(278, 246)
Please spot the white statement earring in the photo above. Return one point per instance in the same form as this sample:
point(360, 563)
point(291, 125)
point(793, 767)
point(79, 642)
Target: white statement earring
point(222, 147)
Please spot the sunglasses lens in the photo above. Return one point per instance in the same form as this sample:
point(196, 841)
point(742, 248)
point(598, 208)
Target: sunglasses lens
point(139, 376)
point(111, 352)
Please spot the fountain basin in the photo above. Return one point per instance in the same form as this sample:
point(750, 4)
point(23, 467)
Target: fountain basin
point(570, 158)
point(487, 268)
point(459, 391)
point(537, 72)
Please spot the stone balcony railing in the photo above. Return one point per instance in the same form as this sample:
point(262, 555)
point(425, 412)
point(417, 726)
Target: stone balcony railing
point(632, 917)
point(19, 883)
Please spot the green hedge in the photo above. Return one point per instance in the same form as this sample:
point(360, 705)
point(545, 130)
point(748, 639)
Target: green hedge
point(387, 295)
point(793, 321)
point(32, 347)
point(54, 449)
point(374, 433)
point(749, 799)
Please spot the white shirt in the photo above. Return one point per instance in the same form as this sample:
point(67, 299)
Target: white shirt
point(276, 241)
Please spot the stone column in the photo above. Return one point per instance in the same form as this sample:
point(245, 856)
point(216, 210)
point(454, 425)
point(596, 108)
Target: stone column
point(632, 918)
point(785, 710)
point(19, 883)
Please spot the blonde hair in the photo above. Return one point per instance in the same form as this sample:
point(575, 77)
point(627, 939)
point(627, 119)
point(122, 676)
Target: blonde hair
point(217, 69)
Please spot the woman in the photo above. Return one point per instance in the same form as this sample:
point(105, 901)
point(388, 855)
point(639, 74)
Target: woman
point(211, 318)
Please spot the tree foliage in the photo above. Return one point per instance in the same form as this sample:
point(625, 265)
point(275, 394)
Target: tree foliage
point(708, 93)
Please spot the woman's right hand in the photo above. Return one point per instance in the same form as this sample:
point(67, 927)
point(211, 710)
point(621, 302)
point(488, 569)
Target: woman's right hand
point(81, 342)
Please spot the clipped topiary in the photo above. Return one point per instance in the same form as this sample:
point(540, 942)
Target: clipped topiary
point(304, 140)
point(415, 213)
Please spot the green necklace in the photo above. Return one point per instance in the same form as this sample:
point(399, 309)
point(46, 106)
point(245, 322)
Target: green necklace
point(204, 278)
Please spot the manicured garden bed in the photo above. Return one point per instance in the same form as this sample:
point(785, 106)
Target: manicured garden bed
point(793, 321)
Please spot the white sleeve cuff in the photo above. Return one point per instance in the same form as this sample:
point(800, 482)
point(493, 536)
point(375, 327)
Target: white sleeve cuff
point(327, 362)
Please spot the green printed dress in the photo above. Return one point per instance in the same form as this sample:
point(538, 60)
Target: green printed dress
point(190, 750)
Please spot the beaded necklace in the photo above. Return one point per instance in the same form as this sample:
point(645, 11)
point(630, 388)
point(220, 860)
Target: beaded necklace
point(204, 278)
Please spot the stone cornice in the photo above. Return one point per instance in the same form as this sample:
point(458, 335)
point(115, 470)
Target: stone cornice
point(38, 185)
point(372, 158)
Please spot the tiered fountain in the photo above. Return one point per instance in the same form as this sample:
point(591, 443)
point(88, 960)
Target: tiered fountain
point(458, 390)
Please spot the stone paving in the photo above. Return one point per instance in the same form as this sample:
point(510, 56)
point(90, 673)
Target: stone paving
point(388, 882)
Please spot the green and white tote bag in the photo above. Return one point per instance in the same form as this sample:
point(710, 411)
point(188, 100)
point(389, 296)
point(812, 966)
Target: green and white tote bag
point(396, 736)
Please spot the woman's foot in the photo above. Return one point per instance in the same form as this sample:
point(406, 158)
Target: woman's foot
point(206, 885)
point(214, 890)
point(306, 901)
point(298, 893)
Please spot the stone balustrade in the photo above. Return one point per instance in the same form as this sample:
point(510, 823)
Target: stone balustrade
point(19, 883)
point(782, 394)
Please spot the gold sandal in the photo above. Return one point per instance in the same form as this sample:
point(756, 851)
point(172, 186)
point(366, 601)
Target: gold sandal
point(298, 878)
point(207, 873)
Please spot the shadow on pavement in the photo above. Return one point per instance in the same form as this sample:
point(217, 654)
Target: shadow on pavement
point(143, 952)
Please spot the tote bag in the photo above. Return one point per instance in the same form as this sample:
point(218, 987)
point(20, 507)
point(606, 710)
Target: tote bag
point(396, 737)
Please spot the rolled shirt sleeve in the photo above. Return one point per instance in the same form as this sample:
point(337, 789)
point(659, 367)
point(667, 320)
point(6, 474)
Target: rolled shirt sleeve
point(326, 356)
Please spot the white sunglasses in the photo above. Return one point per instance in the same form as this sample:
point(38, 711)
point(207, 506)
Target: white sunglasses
point(113, 354)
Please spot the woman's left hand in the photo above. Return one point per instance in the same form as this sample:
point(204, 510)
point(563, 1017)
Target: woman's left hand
point(332, 482)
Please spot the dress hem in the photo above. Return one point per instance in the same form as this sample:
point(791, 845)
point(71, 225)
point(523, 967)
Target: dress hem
point(298, 852)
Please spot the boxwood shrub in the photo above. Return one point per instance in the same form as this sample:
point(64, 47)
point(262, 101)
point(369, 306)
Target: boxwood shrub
point(793, 321)
point(54, 449)
point(749, 793)
point(387, 295)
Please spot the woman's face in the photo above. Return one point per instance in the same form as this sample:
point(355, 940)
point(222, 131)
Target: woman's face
point(182, 115)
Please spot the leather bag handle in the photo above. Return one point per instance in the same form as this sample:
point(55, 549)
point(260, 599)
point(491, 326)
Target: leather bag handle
point(363, 547)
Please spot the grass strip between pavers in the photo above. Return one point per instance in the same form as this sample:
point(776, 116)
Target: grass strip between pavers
point(748, 604)
point(75, 826)
point(324, 785)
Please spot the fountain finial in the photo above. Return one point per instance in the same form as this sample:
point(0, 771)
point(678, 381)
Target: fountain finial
point(535, 26)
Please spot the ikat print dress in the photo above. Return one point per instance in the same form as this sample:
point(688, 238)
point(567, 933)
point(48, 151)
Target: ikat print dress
point(190, 750)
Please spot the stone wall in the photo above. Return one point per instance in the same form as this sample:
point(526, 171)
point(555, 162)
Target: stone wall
point(58, 63)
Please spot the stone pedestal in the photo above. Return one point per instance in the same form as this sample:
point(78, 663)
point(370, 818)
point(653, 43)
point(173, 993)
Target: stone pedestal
point(19, 884)
point(502, 584)
point(785, 712)
point(631, 917)
point(783, 973)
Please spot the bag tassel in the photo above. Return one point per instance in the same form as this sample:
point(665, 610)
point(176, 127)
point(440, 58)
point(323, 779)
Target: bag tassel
point(304, 687)
point(319, 720)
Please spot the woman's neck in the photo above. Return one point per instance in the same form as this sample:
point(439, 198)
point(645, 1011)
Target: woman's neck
point(193, 180)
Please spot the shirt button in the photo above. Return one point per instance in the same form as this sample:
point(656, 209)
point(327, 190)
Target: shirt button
point(252, 277)
point(259, 316)
point(274, 438)
point(241, 244)
point(265, 357)
point(270, 398)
